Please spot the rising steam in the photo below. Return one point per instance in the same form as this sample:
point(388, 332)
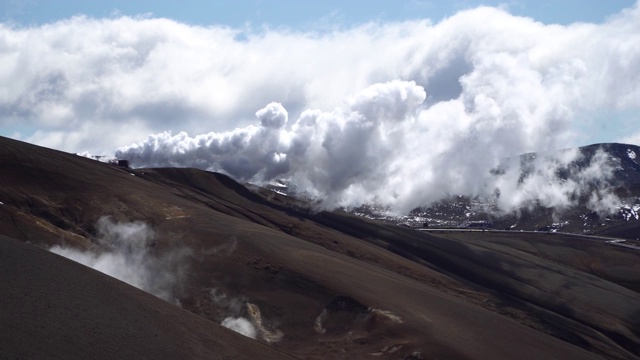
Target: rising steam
point(241, 326)
point(244, 317)
point(386, 146)
point(131, 257)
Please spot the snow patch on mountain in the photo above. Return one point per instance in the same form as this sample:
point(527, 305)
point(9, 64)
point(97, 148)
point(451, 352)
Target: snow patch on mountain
point(629, 211)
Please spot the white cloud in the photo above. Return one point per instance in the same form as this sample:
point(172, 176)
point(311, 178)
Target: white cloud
point(162, 75)
point(397, 111)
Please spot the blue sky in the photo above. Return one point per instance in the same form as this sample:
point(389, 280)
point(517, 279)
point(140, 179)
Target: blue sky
point(302, 14)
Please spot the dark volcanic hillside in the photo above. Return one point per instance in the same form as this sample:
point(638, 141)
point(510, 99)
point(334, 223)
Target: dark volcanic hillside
point(624, 182)
point(55, 308)
point(619, 220)
point(313, 285)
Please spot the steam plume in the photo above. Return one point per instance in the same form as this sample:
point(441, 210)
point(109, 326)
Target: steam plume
point(385, 146)
point(132, 259)
point(240, 325)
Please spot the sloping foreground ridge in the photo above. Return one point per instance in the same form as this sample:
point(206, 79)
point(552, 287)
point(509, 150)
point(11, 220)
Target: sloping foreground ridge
point(312, 285)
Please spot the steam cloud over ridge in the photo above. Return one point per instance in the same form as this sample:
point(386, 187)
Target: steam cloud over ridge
point(385, 146)
point(400, 112)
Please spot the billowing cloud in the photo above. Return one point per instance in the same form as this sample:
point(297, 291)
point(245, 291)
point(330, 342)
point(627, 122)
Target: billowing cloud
point(95, 84)
point(384, 146)
point(401, 112)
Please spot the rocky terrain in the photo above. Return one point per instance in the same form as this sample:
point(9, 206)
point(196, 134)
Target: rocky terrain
point(622, 220)
point(220, 256)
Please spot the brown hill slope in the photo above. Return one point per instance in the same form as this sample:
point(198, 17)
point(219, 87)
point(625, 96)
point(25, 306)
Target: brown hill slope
point(329, 285)
point(55, 308)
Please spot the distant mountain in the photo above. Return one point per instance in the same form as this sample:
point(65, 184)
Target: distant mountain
point(624, 183)
point(627, 159)
point(303, 284)
point(623, 220)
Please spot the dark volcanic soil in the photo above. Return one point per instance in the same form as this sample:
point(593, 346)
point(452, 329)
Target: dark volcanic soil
point(322, 285)
point(55, 308)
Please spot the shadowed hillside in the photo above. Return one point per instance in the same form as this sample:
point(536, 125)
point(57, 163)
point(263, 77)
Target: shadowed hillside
point(55, 308)
point(325, 285)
